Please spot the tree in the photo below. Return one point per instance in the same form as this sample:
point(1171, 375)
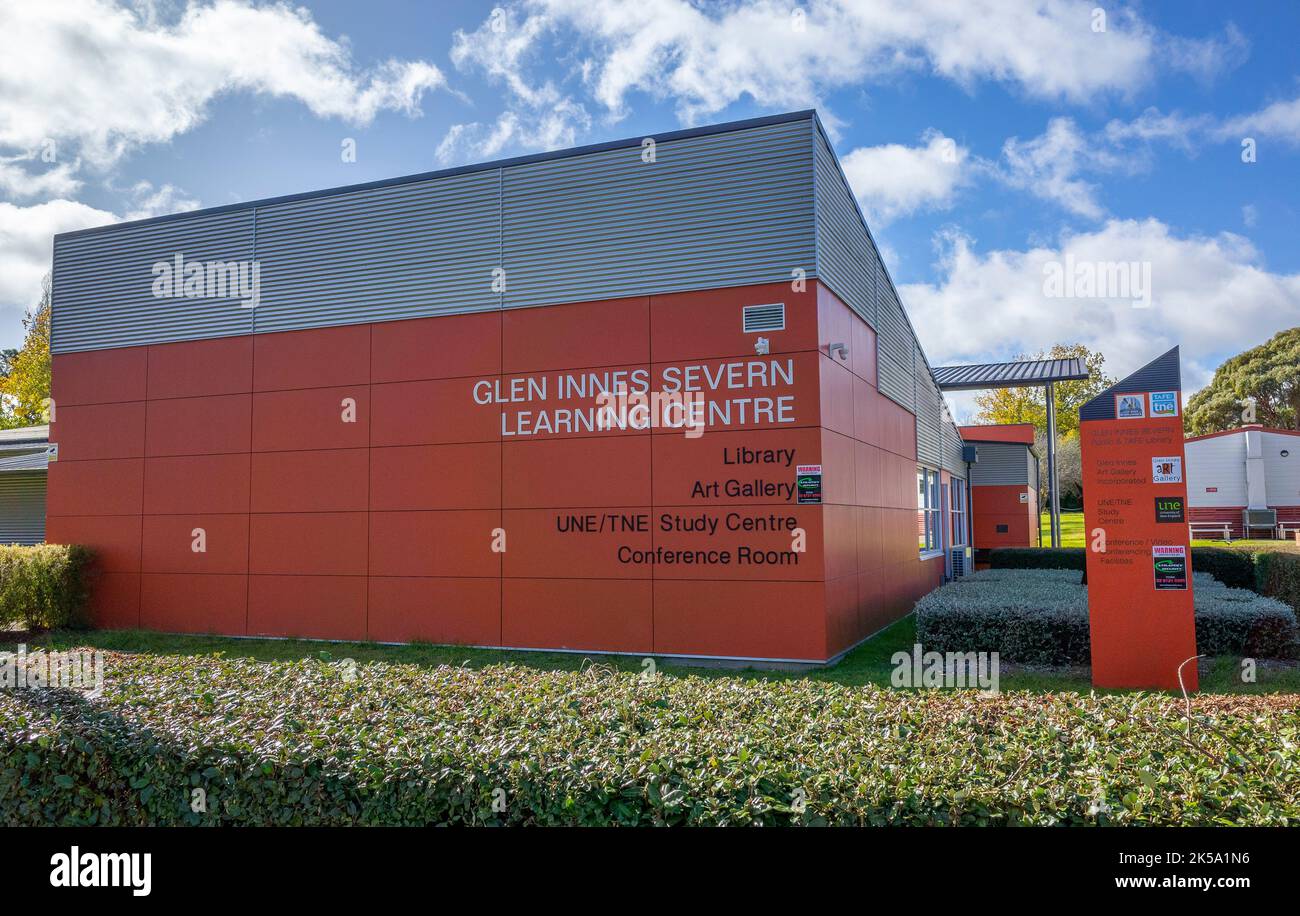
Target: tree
point(25, 389)
point(1269, 373)
point(1029, 405)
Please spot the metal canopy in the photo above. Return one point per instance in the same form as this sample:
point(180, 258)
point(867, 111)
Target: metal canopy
point(1018, 374)
point(1023, 374)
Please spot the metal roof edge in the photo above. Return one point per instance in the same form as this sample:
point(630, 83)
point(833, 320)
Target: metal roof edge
point(624, 143)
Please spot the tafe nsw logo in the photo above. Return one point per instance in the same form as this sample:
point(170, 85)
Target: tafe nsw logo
point(103, 869)
point(1164, 403)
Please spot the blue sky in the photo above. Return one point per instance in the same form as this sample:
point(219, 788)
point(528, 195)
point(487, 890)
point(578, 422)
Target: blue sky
point(983, 139)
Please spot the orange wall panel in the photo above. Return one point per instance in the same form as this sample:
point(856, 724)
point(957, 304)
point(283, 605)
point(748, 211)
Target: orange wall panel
point(612, 332)
point(196, 483)
point(449, 346)
point(318, 358)
point(219, 424)
point(187, 603)
point(109, 487)
point(541, 473)
point(583, 614)
point(457, 476)
point(114, 538)
point(455, 611)
point(743, 620)
point(331, 480)
point(99, 431)
point(309, 544)
point(308, 418)
point(194, 368)
point(98, 376)
point(169, 542)
point(316, 607)
point(706, 324)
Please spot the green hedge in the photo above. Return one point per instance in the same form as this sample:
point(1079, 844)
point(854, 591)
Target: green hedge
point(44, 586)
point(300, 744)
point(1278, 576)
point(1233, 568)
point(1040, 617)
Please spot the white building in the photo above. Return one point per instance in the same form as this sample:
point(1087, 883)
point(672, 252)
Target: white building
point(1253, 468)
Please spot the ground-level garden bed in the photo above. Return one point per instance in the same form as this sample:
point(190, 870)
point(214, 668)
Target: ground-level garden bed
point(1040, 617)
point(207, 740)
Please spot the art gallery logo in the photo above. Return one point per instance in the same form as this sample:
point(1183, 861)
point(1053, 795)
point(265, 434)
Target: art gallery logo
point(1071, 279)
point(182, 279)
point(1167, 469)
point(77, 670)
point(103, 869)
point(953, 670)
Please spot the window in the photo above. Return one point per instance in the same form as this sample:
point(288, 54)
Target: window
point(927, 510)
point(958, 512)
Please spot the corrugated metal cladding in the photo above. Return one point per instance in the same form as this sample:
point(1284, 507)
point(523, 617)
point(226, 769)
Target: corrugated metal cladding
point(103, 283)
point(720, 210)
point(22, 508)
point(1161, 374)
point(846, 259)
point(715, 209)
point(952, 461)
point(402, 251)
point(1001, 464)
point(929, 416)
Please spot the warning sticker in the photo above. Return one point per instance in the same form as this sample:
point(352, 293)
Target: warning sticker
point(1170, 566)
point(808, 482)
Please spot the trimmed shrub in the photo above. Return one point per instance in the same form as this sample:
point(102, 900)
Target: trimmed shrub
point(44, 586)
point(303, 744)
point(1040, 617)
point(1278, 576)
point(1037, 558)
point(1233, 568)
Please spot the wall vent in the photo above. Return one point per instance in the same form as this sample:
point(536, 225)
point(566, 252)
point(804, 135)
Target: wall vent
point(768, 317)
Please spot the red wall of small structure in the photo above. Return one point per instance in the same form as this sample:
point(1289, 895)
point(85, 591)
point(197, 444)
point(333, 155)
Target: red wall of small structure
point(992, 506)
point(382, 529)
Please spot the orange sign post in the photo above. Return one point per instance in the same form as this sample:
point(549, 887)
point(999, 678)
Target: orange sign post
point(1135, 515)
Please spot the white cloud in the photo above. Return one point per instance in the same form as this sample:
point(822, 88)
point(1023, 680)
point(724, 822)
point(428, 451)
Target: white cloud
point(1211, 295)
point(1049, 166)
point(26, 245)
point(17, 181)
point(537, 116)
point(707, 57)
point(894, 180)
point(27, 242)
point(1279, 121)
point(104, 78)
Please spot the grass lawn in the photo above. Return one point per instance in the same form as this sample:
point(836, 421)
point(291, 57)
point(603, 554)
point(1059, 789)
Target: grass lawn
point(1071, 529)
point(869, 663)
point(1072, 536)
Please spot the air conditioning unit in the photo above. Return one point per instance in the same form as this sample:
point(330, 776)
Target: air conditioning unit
point(1258, 518)
point(960, 561)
